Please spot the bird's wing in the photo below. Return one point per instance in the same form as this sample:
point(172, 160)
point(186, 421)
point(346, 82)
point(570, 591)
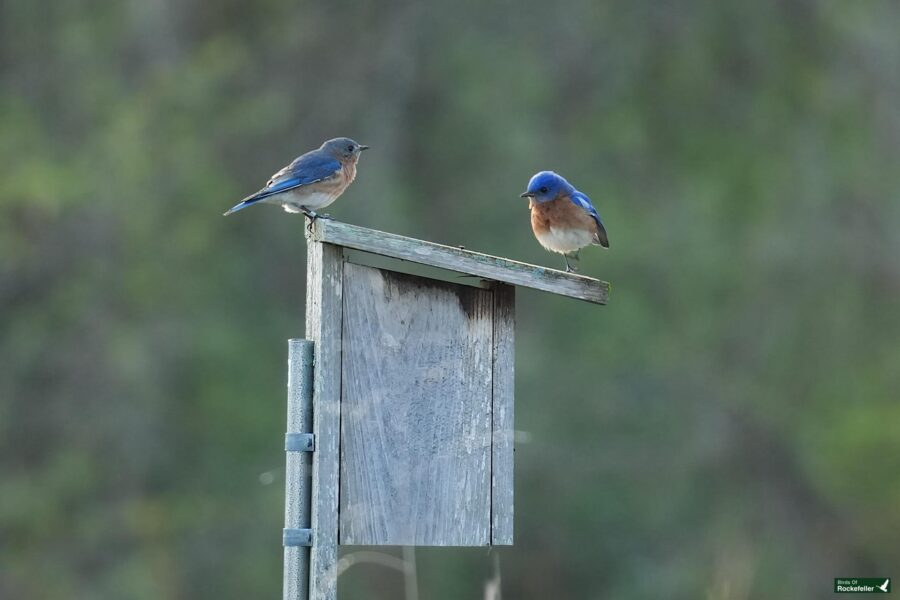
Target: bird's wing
point(310, 168)
point(584, 202)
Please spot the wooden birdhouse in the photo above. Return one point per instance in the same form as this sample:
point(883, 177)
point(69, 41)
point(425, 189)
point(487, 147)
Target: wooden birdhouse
point(410, 440)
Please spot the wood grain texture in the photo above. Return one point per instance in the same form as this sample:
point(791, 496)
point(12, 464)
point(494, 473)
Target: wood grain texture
point(323, 326)
point(503, 388)
point(416, 411)
point(463, 261)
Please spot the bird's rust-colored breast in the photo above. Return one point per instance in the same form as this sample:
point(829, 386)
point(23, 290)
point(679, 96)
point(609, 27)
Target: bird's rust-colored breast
point(348, 171)
point(560, 213)
point(337, 183)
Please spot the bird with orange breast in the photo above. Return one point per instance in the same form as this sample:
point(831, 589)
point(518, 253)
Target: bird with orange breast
point(562, 218)
point(312, 181)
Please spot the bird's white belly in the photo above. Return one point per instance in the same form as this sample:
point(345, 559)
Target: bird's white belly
point(564, 240)
point(292, 200)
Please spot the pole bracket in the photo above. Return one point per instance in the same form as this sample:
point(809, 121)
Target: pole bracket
point(299, 442)
point(296, 537)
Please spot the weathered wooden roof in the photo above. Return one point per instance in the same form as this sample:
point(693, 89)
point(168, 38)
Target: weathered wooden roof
point(460, 260)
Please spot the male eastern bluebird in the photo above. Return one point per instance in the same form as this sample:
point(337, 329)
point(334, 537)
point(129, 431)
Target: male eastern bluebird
point(312, 181)
point(562, 218)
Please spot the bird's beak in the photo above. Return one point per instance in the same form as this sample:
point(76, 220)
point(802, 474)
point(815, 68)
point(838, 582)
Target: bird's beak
point(363, 147)
point(526, 195)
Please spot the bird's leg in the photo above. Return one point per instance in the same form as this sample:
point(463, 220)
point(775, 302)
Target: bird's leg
point(312, 216)
point(567, 256)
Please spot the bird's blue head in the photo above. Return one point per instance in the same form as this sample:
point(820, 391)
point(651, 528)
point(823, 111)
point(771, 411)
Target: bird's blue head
point(546, 186)
point(343, 149)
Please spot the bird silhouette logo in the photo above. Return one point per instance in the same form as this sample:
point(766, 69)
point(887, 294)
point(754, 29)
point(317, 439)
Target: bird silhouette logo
point(884, 587)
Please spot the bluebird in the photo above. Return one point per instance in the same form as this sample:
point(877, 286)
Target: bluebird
point(311, 181)
point(562, 218)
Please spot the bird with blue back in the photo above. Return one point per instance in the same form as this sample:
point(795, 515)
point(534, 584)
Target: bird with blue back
point(312, 181)
point(562, 218)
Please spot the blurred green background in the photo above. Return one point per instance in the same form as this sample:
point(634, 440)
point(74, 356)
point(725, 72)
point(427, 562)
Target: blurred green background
point(727, 428)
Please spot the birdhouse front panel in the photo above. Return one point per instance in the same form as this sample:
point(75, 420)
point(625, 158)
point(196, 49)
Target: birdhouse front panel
point(421, 437)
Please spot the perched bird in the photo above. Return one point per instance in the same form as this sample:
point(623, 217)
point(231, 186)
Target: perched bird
point(562, 218)
point(312, 181)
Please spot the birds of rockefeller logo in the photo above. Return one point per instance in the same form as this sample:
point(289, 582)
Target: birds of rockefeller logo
point(862, 585)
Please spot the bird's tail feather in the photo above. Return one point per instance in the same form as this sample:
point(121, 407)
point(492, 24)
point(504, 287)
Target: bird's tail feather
point(600, 238)
point(240, 205)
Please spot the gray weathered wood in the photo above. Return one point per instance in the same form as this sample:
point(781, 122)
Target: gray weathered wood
point(416, 411)
point(323, 326)
point(463, 261)
point(298, 467)
point(502, 426)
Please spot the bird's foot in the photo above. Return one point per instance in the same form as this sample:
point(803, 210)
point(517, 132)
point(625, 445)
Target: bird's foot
point(566, 257)
point(311, 215)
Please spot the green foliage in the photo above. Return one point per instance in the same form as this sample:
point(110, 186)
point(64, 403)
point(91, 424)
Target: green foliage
point(725, 428)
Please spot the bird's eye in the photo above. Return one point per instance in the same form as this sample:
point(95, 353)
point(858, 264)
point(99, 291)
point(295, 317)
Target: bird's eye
point(544, 189)
point(350, 148)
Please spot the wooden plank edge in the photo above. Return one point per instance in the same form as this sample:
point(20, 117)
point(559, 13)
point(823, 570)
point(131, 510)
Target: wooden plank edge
point(459, 260)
